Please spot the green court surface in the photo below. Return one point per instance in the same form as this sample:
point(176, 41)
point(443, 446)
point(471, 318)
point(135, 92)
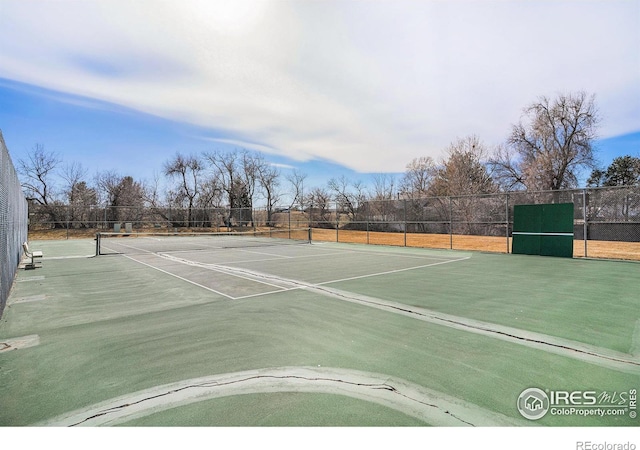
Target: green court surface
point(320, 334)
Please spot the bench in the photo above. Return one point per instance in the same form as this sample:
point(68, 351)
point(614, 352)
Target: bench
point(32, 255)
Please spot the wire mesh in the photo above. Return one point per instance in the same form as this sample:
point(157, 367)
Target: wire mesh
point(606, 220)
point(141, 243)
point(13, 223)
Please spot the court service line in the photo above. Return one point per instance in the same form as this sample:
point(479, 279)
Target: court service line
point(259, 277)
point(279, 258)
point(214, 268)
point(392, 271)
point(211, 267)
point(319, 246)
point(180, 278)
point(244, 250)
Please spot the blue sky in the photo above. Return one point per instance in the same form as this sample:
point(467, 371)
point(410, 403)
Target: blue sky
point(332, 87)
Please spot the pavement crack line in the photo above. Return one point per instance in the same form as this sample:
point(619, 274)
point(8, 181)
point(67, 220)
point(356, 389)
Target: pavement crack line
point(577, 350)
point(414, 400)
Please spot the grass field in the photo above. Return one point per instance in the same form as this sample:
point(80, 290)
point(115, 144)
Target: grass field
point(327, 334)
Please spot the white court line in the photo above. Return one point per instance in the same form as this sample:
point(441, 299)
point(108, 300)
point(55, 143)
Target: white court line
point(278, 258)
point(106, 247)
point(295, 284)
point(393, 271)
point(204, 266)
point(144, 250)
point(305, 285)
point(528, 233)
point(214, 268)
point(244, 250)
point(255, 277)
point(180, 278)
point(337, 253)
point(392, 253)
point(48, 258)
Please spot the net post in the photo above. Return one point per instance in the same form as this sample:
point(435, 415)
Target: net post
point(98, 244)
point(309, 234)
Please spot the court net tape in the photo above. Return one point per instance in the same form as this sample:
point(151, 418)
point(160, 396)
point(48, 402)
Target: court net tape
point(171, 242)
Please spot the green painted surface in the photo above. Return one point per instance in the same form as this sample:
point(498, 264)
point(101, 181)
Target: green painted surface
point(110, 326)
point(280, 409)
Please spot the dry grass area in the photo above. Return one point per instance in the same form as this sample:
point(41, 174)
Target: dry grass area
point(595, 249)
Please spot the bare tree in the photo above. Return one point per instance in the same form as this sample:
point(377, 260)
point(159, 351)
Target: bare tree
point(319, 203)
point(384, 187)
point(82, 198)
point(418, 177)
point(464, 171)
point(188, 171)
point(269, 179)
point(252, 165)
point(462, 175)
point(296, 180)
point(124, 197)
point(79, 195)
point(225, 170)
point(552, 145)
point(37, 174)
point(238, 173)
point(107, 183)
point(350, 195)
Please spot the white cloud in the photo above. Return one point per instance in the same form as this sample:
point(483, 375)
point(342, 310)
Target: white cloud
point(367, 84)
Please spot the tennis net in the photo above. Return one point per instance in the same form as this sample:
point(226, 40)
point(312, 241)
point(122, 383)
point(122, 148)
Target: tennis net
point(173, 242)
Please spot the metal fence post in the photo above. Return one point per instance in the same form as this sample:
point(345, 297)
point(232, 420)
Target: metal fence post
point(450, 223)
point(506, 219)
point(404, 204)
point(584, 220)
point(367, 209)
point(335, 208)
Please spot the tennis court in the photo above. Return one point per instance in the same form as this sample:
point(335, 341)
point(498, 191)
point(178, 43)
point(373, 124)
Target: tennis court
point(193, 331)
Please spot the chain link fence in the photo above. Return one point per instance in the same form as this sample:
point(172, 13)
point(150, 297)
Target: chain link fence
point(606, 220)
point(13, 223)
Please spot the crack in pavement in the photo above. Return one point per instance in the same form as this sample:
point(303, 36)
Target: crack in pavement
point(19, 343)
point(411, 399)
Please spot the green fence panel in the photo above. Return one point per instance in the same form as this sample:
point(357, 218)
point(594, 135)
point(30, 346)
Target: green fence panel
point(545, 229)
point(527, 226)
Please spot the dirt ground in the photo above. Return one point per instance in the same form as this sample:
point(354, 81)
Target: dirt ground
point(595, 249)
